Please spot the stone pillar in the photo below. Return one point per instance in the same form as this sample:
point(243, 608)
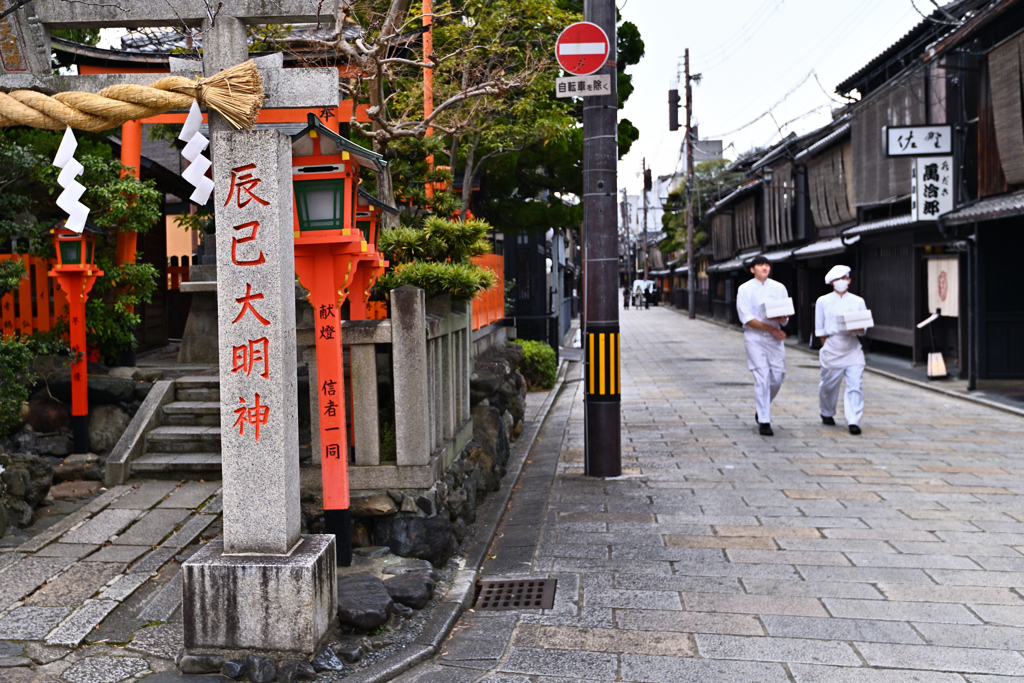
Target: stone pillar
point(409, 354)
point(467, 364)
point(256, 307)
point(363, 359)
point(261, 586)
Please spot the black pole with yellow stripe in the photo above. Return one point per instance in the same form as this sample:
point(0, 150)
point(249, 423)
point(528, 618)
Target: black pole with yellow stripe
point(604, 374)
point(602, 449)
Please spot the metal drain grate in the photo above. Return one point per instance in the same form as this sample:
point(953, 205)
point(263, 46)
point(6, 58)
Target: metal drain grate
point(523, 594)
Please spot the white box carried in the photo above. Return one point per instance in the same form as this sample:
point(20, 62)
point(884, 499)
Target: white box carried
point(855, 320)
point(778, 308)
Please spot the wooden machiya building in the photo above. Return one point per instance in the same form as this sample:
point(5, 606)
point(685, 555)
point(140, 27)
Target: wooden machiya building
point(969, 77)
point(835, 196)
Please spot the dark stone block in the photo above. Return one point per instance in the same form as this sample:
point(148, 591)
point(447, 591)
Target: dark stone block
point(490, 432)
point(295, 670)
point(260, 669)
point(363, 602)
point(200, 664)
point(427, 505)
point(326, 660)
point(26, 477)
point(47, 414)
point(403, 611)
point(175, 677)
point(350, 650)
point(411, 589)
point(103, 389)
point(142, 390)
point(233, 668)
point(427, 538)
point(408, 565)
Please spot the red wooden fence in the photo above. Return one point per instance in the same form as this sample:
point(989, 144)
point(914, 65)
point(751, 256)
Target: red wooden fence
point(489, 305)
point(36, 304)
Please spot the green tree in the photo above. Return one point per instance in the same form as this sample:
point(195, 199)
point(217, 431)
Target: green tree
point(536, 187)
point(710, 180)
point(119, 203)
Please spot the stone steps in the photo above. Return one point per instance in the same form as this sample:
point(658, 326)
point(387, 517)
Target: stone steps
point(183, 439)
point(183, 465)
point(191, 413)
point(186, 444)
point(197, 389)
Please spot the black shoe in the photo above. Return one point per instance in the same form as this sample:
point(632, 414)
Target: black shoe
point(830, 421)
point(756, 421)
point(766, 429)
point(854, 429)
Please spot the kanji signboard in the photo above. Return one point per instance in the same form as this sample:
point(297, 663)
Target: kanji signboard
point(583, 86)
point(915, 141)
point(931, 193)
point(582, 48)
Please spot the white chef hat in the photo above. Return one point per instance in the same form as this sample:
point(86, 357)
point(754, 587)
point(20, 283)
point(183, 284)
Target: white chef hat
point(836, 273)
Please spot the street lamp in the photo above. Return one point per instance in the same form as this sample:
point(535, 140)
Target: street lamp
point(76, 273)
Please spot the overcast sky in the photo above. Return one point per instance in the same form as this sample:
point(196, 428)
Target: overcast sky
point(751, 53)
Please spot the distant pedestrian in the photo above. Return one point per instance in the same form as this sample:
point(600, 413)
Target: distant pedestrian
point(625, 297)
point(841, 355)
point(648, 295)
point(763, 337)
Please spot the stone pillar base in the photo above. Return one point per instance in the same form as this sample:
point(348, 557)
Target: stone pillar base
point(282, 603)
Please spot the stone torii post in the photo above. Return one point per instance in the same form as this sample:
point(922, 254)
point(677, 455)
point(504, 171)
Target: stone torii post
point(262, 585)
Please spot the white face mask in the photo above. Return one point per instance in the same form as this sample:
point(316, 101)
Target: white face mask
point(841, 285)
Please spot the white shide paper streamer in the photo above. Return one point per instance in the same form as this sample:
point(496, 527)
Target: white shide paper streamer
point(70, 170)
point(195, 144)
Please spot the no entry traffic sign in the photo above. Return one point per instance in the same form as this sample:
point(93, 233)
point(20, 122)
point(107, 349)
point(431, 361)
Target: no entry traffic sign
point(582, 48)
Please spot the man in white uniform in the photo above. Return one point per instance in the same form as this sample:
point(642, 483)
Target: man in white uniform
point(841, 355)
point(763, 337)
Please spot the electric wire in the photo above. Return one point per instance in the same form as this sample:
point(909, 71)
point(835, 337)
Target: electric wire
point(710, 63)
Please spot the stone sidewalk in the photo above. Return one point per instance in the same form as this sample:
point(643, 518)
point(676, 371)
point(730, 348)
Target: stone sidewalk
point(721, 555)
point(105, 575)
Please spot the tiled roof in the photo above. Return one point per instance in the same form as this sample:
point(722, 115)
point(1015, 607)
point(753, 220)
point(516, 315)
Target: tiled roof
point(826, 247)
point(880, 226)
point(1003, 206)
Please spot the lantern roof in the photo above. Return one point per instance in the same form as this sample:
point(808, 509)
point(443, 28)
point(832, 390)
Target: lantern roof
point(90, 227)
point(373, 201)
point(365, 158)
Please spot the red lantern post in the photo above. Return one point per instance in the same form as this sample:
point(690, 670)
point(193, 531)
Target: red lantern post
point(76, 273)
point(328, 247)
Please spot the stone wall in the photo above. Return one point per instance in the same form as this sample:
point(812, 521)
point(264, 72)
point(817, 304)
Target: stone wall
point(430, 524)
point(115, 394)
point(25, 482)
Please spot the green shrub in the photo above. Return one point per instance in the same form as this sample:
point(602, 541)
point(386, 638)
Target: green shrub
point(538, 366)
point(462, 281)
point(435, 257)
point(15, 372)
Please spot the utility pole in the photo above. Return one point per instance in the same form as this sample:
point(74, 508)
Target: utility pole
point(691, 278)
point(647, 187)
point(625, 231)
point(602, 445)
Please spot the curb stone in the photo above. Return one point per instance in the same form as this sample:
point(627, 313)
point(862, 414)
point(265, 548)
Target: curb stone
point(463, 591)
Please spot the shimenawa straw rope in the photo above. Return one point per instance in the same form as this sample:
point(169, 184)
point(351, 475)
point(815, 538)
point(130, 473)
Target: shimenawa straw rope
point(236, 93)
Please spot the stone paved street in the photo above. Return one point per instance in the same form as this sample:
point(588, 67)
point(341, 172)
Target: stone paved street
point(106, 574)
point(721, 555)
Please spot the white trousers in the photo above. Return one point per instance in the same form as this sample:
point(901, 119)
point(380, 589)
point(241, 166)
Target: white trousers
point(853, 399)
point(767, 382)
